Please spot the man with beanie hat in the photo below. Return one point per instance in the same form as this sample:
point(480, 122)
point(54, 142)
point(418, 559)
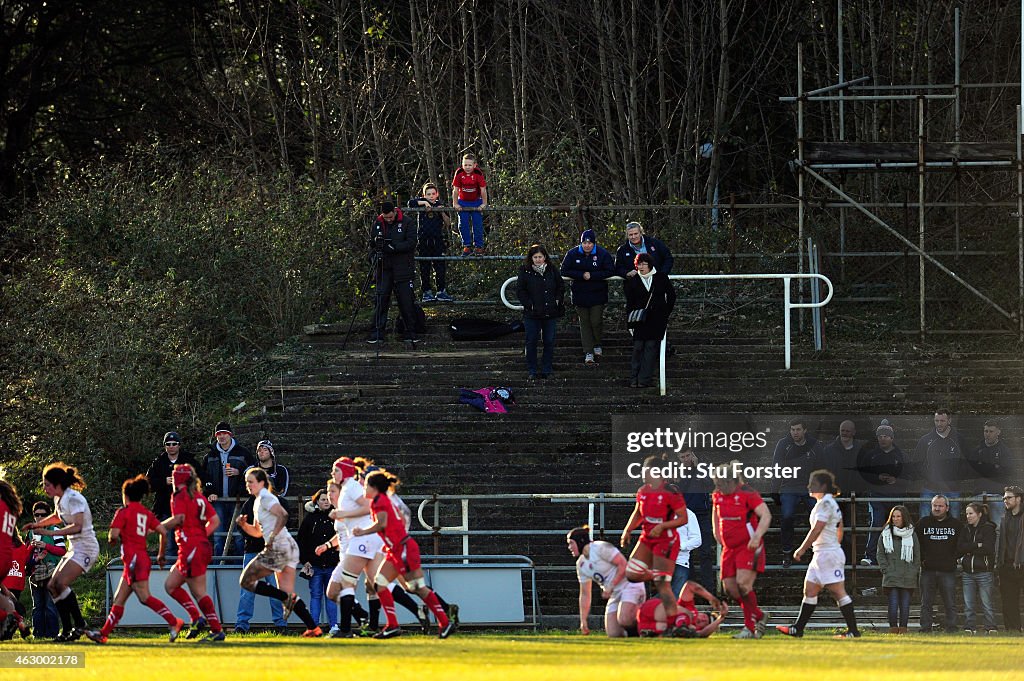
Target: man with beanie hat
point(589, 266)
point(276, 473)
point(392, 256)
point(881, 470)
point(159, 475)
point(222, 473)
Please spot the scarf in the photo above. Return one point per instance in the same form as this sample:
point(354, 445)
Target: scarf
point(648, 278)
point(904, 533)
point(539, 269)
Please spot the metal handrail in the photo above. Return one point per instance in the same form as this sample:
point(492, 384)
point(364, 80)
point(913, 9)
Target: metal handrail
point(787, 304)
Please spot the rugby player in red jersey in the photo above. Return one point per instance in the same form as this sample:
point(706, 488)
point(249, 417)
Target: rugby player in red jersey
point(10, 509)
point(660, 509)
point(194, 521)
point(403, 558)
point(130, 526)
point(652, 620)
point(735, 506)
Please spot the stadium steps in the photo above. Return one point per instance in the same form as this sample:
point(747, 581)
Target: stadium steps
point(401, 409)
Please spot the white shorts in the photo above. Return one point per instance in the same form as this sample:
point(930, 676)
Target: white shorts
point(81, 553)
point(366, 546)
point(337, 576)
point(632, 592)
point(284, 553)
point(827, 566)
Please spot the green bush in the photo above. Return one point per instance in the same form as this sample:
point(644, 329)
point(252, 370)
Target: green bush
point(145, 299)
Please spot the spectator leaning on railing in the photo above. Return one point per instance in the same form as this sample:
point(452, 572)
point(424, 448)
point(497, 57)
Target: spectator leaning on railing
point(222, 473)
point(636, 243)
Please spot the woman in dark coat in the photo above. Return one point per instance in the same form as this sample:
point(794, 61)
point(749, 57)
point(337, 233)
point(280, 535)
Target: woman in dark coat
point(653, 291)
point(540, 289)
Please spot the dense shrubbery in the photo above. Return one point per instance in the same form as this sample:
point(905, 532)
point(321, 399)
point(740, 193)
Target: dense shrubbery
point(147, 298)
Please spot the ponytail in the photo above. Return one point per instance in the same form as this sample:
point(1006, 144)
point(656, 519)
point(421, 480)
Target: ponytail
point(64, 476)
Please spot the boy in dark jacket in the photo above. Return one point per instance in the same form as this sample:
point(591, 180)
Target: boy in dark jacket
point(432, 232)
point(589, 267)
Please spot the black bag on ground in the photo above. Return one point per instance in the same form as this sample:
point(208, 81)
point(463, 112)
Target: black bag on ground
point(477, 329)
point(420, 320)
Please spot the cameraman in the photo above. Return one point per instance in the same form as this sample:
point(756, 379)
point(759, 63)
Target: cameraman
point(392, 247)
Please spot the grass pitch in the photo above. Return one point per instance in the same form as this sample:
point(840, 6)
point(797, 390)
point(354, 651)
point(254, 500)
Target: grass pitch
point(536, 657)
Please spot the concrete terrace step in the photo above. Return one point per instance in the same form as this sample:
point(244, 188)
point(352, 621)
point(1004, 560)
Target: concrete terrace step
point(400, 408)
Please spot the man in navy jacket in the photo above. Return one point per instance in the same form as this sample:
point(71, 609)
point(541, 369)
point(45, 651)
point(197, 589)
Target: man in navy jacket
point(589, 266)
point(638, 242)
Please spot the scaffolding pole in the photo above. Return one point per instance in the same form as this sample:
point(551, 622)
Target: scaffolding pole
point(801, 198)
point(842, 138)
point(921, 210)
point(910, 244)
point(1020, 222)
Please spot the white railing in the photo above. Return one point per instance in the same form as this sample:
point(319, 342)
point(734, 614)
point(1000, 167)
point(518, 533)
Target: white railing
point(787, 304)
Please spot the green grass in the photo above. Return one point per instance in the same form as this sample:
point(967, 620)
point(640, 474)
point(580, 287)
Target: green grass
point(541, 657)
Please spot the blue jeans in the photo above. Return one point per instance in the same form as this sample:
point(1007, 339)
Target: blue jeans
point(534, 328)
point(899, 606)
point(226, 509)
point(791, 503)
point(471, 224)
point(945, 584)
point(247, 599)
point(317, 590)
point(878, 514)
point(680, 574)
point(981, 584)
point(45, 620)
point(926, 503)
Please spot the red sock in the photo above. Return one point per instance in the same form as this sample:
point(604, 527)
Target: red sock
point(112, 619)
point(387, 604)
point(206, 605)
point(751, 613)
point(157, 606)
point(182, 597)
point(435, 607)
point(751, 600)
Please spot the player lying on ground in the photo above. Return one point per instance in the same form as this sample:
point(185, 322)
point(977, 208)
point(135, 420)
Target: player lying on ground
point(653, 620)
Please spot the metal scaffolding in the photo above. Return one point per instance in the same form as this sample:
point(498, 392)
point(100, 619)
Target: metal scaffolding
point(816, 159)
